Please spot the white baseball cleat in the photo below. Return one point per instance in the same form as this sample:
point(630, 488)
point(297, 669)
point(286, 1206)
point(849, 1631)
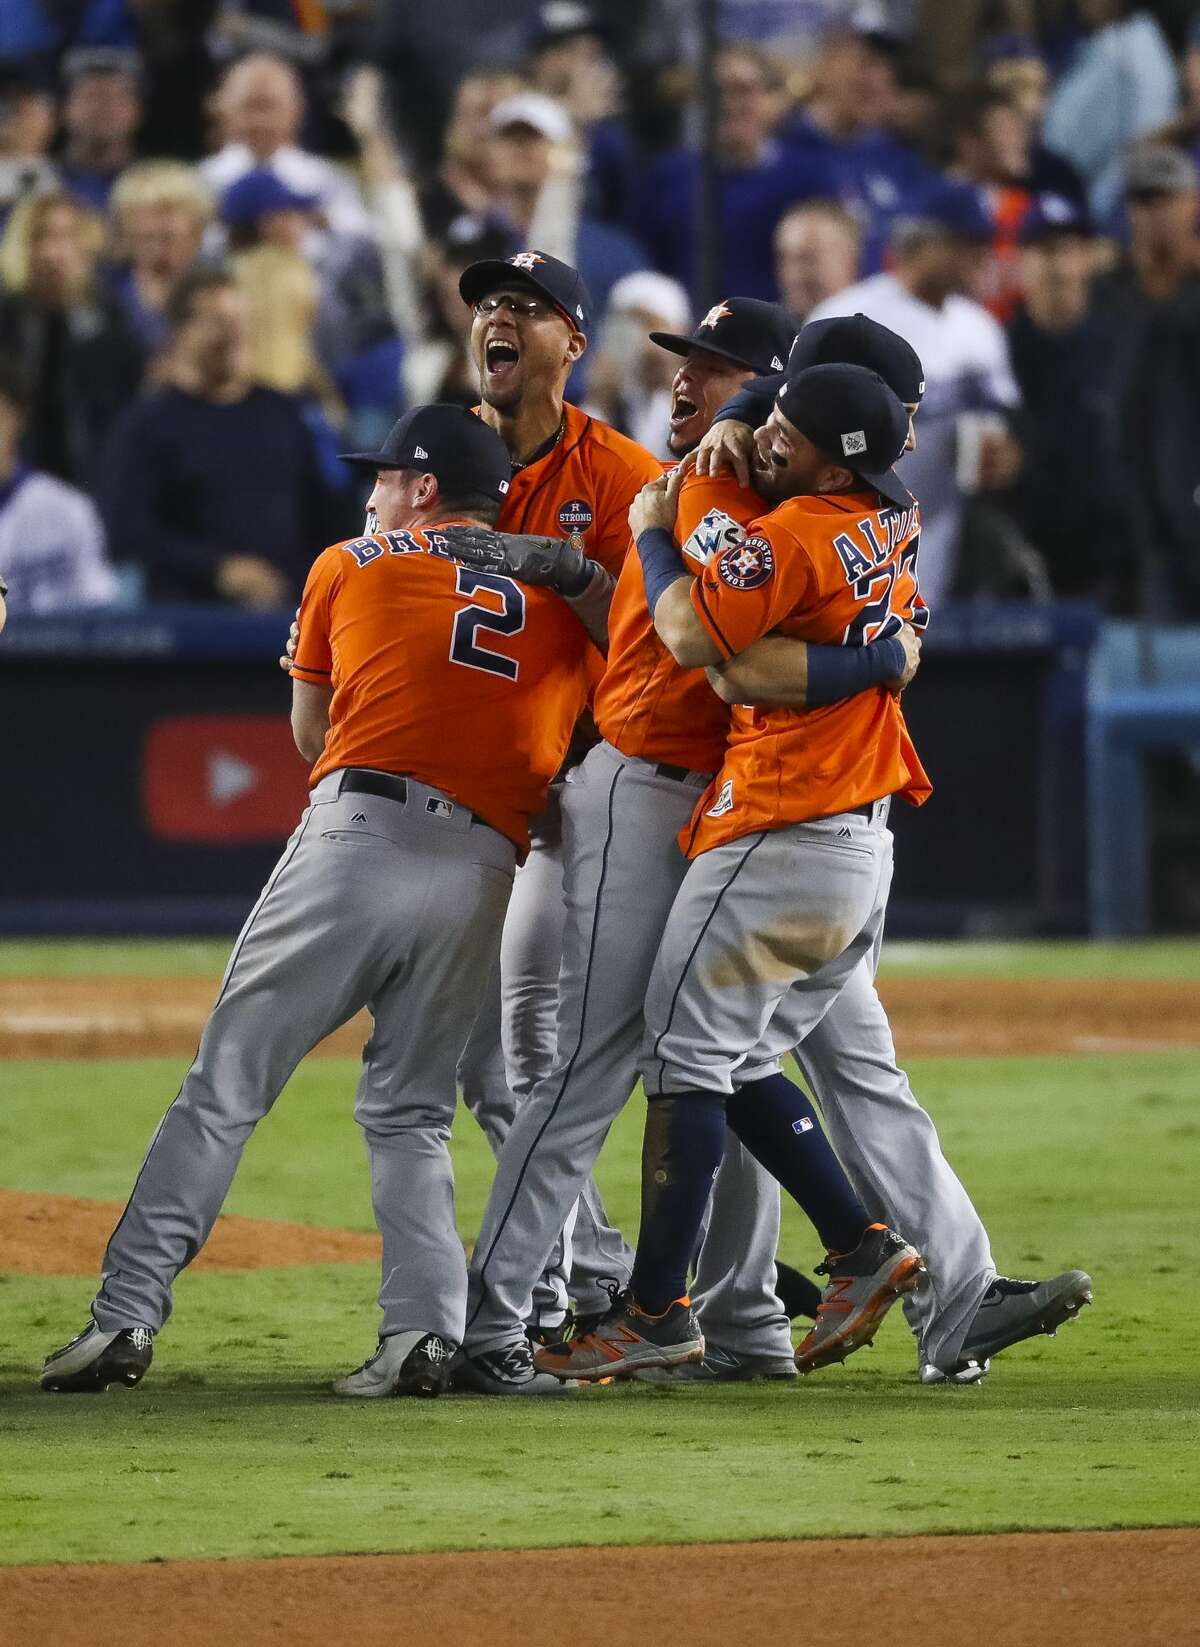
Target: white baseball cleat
point(405, 1363)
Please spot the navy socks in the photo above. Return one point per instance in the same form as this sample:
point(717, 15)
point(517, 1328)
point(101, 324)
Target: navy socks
point(778, 1124)
point(681, 1150)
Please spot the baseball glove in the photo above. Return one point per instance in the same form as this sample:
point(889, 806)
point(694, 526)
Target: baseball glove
point(547, 563)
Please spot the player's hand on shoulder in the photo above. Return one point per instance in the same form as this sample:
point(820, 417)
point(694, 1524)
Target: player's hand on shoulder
point(656, 504)
point(289, 651)
point(726, 445)
point(910, 640)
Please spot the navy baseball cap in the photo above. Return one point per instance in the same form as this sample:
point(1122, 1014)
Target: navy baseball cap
point(745, 330)
point(856, 340)
point(449, 442)
point(558, 282)
point(1052, 214)
point(954, 207)
point(261, 191)
point(850, 414)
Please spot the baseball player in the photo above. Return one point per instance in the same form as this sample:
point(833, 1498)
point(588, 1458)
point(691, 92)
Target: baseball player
point(391, 894)
point(965, 1312)
point(791, 859)
point(573, 477)
point(664, 732)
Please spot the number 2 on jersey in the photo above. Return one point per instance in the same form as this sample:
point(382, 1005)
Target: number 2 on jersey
point(510, 620)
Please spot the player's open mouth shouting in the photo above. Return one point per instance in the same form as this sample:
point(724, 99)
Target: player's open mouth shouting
point(683, 410)
point(501, 356)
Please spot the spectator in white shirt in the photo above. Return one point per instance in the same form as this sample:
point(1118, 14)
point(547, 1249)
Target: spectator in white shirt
point(260, 106)
point(51, 539)
point(963, 441)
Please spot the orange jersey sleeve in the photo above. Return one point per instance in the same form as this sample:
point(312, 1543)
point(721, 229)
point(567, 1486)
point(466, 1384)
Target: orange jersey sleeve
point(646, 705)
point(467, 681)
point(836, 570)
point(315, 663)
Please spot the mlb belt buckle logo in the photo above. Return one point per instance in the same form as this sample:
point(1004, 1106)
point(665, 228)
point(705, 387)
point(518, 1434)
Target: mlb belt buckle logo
point(748, 566)
point(438, 808)
point(575, 516)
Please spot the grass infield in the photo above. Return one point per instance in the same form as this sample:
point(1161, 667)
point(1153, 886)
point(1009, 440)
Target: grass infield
point(233, 1446)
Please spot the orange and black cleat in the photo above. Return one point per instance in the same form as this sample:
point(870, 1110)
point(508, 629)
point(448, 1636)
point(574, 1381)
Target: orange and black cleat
point(863, 1286)
point(625, 1340)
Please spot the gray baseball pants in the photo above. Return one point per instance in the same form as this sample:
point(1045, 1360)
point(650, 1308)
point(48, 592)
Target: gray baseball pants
point(512, 1044)
point(393, 906)
point(622, 870)
point(772, 945)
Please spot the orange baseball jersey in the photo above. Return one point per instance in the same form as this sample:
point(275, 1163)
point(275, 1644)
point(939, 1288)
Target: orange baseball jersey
point(582, 487)
point(461, 679)
point(838, 570)
point(646, 705)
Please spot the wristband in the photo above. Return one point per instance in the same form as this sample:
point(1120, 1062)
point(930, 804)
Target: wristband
point(836, 672)
point(662, 564)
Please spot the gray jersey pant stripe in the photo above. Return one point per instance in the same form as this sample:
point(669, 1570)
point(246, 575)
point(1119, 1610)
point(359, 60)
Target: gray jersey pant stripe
point(709, 918)
point(284, 861)
point(482, 1267)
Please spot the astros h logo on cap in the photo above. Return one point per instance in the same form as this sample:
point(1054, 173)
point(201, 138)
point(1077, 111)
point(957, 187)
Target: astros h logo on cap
point(719, 311)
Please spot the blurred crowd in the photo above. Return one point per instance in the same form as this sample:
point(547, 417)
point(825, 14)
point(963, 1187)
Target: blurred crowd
point(231, 236)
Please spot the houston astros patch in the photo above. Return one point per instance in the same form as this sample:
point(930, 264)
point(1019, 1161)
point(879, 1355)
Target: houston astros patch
point(748, 566)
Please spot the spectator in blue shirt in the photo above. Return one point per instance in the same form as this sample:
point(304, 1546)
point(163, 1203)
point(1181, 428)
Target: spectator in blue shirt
point(758, 178)
point(844, 127)
point(101, 115)
point(1120, 84)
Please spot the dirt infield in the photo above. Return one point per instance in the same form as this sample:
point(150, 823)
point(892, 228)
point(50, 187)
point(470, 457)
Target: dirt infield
point(1010, 1590)
point(158, 1017)
point(62, 1235)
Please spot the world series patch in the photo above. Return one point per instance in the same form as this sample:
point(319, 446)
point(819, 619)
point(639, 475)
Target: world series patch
point(748, 566)
point(575, 515)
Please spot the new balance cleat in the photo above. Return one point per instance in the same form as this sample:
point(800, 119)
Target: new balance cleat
point(94, 1360)
point(405, 1363)
point(1012, 1311)
point(863, 1286)
point(722, 1366)
point(625, 1340)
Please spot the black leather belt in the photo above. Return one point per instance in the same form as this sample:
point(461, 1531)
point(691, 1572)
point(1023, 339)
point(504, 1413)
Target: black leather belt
point(677, 774)
point(389, 786)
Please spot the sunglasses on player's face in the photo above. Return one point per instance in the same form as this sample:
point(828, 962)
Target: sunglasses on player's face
point(532, 308)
